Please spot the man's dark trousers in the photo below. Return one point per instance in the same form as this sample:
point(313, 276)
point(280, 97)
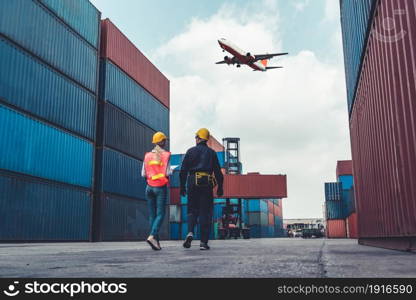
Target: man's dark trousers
point(200, 204)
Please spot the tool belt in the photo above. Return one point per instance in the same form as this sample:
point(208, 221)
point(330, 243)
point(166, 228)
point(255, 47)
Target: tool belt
point(203, 179)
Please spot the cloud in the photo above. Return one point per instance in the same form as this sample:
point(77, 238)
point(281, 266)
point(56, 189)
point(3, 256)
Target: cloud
point(291, 121)
point(331, 11)
point(300, 4)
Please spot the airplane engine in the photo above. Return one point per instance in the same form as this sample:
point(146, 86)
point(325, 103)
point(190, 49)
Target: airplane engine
point(228, 60)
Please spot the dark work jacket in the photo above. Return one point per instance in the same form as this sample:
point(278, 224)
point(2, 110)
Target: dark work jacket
point(201, 158)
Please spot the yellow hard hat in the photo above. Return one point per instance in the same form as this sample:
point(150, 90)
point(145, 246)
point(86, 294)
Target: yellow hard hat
point(203, 133)
point(158, 137)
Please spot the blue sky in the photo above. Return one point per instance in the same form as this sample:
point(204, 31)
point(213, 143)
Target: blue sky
point(149, 24)
point(290, 121)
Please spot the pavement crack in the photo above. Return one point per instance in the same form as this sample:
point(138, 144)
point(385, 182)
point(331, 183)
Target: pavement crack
point(321, 263)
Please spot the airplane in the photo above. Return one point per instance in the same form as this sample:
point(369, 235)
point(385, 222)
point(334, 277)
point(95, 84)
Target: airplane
point(257, 62)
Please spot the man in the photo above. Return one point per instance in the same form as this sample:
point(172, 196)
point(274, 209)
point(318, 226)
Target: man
point(156, 169)
point(196, 180)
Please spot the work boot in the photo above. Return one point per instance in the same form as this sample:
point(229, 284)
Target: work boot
point(203, 246)
point(188, 240)
point(152, 242)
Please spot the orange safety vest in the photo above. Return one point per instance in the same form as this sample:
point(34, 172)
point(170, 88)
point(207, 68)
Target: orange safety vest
point(156, 171)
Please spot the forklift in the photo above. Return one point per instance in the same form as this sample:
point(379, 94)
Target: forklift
point(232, 225)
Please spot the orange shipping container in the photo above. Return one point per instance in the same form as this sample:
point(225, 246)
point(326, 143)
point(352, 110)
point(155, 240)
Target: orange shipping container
point(352, 228)
point(336, 228)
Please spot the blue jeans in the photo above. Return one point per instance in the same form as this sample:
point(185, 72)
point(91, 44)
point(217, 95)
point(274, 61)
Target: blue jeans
point(156, 202)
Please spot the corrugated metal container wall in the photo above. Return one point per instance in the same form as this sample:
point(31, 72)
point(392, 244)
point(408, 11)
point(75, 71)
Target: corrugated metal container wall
point(352, 226)
point(35, 211)
point(184, 213)
point(333, 191)
point(355, 19)
point(117, 47)
point(255, 186)
point(122, 91)
point(348, 202)
point(334, 210)
point(121, 175)
point(175, 197)
point(46, 36)
point(344, 167)
point(383, 127)
point(31, 147)
point(126, 134)
point(80, 15)
point(336, 229)
point(175, 231)
point(174, 180)
point(29, 84)
point(126, 219)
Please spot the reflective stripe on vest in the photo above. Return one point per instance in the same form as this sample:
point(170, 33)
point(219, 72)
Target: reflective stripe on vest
point(155, 169)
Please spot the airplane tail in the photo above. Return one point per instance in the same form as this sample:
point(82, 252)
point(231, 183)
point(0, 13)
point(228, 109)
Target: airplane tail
point(264, 62)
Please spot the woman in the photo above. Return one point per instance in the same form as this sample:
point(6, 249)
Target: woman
point(156, 169)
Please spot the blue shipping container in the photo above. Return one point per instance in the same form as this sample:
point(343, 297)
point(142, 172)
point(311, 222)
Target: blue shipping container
point(333, 191)
point(256, 205)
point(31, 147)
point(184, 200)
point(347, 181)
point(175, 231)
point(126, 134)
point(80, 15)
point(119, 89)
point(123, 219)
point(27, 83)
point(47, 37)
point(176, 160)
point(356, 17)
point(334, 210)
point(348, 202)
point(184, 213)
point(174, 180)
point(121, 174)
point(35, 211)
point(255, 231)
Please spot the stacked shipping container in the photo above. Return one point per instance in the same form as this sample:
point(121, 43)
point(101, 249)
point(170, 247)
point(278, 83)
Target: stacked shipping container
point(70, 164)
point(133, 105)
point(339, 203)
point(48, 107)
point(263, 216)
point(382, 125)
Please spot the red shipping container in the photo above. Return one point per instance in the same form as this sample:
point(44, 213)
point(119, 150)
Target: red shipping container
point(344, 167)
point(215, 145)
point(383, 127)
point(336, 228)
point(271, 219)
point(352, 229)
point(175, 197)
point(117, 47)
point(278, 211)
point(255, 186)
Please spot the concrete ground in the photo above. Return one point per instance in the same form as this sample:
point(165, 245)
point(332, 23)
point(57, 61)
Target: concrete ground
point(279, 257)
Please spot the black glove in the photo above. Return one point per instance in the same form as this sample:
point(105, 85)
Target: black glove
point(183, 191)
point(220, 191)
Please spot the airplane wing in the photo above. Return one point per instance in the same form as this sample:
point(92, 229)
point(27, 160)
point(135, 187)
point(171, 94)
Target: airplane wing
point(267, 56)
point(221, 62)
